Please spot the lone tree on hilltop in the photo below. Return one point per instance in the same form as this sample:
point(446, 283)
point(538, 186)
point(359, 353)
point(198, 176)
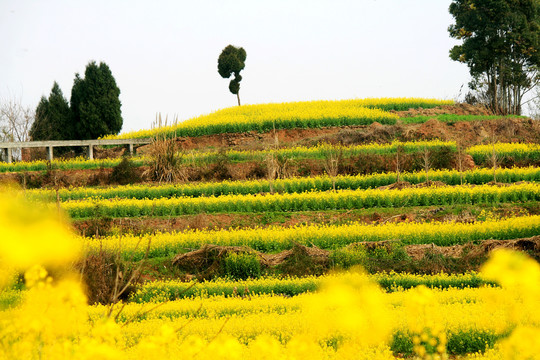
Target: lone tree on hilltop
point(501, 47)
point(53, 118)
point(95, 103)
point(232, 61)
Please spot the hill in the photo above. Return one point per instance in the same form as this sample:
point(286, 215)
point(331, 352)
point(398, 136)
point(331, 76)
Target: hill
point(240, 224)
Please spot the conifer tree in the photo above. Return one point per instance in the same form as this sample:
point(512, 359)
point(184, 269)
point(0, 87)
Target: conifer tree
point(95, 103)
point(53, 118)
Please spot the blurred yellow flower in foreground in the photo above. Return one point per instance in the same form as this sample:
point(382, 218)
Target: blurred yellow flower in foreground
point(512, 270)
point(31, 234)
point(353, 305)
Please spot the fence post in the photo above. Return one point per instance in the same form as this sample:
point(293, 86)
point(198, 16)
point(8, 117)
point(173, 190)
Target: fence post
point(6, 148)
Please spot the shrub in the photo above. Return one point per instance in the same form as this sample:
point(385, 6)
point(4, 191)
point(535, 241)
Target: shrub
point(345, 258)
point(220, 169)
point(125, 172)
point(241, 266)
point(471, 341)
point(166, 164)
point(107, 277)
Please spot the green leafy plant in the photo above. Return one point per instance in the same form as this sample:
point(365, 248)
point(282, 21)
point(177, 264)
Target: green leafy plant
point(125, 172)
point(241, 266)
point(344, 258)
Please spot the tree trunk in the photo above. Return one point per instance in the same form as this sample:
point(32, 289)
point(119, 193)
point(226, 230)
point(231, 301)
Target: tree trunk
point(238, 97)
point(502, 87)
point(518, 100)
point(495, 103)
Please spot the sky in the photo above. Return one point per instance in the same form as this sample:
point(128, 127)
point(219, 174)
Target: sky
point(163, 54)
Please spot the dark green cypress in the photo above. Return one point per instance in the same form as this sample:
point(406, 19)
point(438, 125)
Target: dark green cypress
point(53, 118)
point(95, 103)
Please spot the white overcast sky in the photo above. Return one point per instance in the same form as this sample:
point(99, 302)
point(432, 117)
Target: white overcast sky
point(163, 54)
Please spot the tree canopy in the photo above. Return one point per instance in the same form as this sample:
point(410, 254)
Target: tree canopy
point(53, 118)
point(230, 62)
point(95, 103)
point(501, 47)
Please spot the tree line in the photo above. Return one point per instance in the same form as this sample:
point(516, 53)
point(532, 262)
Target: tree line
point(94, 107)
point(501, 47)
point(500, 43)
point(93, 110)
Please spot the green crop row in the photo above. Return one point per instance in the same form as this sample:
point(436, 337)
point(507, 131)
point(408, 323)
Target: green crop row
point(323, 151)
point(275, 239)
point(293, 185)
point(488, 154)
point(159, 291)
point(482, 155)
point(202, 312)
point(65, 164)
point(462, 342)
point(308, 201)
point(199, 158)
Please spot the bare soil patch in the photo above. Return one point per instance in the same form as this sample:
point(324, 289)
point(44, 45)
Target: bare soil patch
point(148, 225)
point(531, 245)
point(405, 184)
point(206, 262)
point(301, 260)
point(470, 132)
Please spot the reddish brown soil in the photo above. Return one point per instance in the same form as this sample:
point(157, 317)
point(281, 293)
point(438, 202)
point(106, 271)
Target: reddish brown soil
point(217, 221)
point(405, 184)
point(206, 261)
point(64, 178)
point(531, 244)
point(474, 132)
point(468, 132)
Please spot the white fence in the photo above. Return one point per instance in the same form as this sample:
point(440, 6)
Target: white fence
point(8, 147)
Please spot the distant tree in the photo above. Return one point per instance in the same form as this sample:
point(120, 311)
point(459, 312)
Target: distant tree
point(40, 129)
point(232, 61)
point(15, 120)
point(501, 47)
point(95, 103)
point(53, 118)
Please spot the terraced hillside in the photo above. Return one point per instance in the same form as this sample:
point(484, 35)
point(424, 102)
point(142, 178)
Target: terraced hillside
point(272, 211)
